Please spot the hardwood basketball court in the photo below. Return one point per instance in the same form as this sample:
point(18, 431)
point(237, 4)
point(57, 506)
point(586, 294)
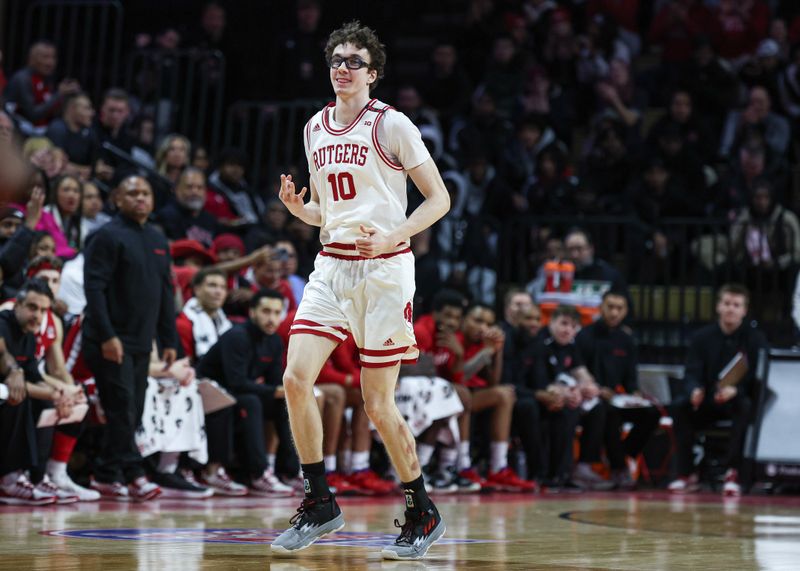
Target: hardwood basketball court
point(637, 531)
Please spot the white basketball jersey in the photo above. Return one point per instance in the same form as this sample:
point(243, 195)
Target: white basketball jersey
point(358, 181)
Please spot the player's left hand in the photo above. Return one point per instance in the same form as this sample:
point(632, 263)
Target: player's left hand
point(373, 244)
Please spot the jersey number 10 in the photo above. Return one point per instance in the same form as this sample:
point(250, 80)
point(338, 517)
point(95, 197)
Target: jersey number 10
point(342, 186)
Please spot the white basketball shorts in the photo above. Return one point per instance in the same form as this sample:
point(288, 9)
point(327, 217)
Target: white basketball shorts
point(370, 298)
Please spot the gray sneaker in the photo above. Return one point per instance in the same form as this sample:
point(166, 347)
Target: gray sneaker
point(417, 534)
point(315, 518)
point(583, 475)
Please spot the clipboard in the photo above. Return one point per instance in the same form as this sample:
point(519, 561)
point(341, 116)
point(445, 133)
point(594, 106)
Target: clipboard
point(734, 371)
point(214, 396)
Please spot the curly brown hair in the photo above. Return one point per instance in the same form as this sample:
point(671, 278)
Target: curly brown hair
point(361, 37)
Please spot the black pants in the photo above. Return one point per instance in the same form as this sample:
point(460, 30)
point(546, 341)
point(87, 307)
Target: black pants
point(251, 412)
point(601, 427)
point(122, 390)
point(219, 434)
point(526, 425)
point(687, 421)
point(17, 437)
point(558, 432)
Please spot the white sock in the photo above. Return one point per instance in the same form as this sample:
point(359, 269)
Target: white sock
point(448, 458)
point(271, 462)
point(56, 469)
point(345, 461)
point(424, 453)
point(499, 455)
point(168, 462)
point(11, 478)
point(464, 458)
point(330, 463)
point(360, 461)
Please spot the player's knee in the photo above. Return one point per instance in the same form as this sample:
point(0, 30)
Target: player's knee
point(334, 396)
point(507, 395)
point(378, 410)
point(295, 386)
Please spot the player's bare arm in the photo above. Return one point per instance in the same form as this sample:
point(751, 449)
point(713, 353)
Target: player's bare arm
point(307, 212)
point(436, 204)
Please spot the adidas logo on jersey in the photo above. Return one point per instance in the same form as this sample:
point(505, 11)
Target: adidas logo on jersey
point(388, 342)
point(316, 128)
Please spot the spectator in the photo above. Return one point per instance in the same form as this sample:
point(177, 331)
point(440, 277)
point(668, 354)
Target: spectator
point(714, 86)
point(297, 55)
point(185, 217)
point(707, 398)
point(64, 205)
point(111, 127)
point(447, 86)
point(172, 156)
point(608, 166)
point(230, 199)
point(42, 154)
point(287, 254)
point(92, 215)
point(127, 269)
point(757, 114)
point(752, 164)
point(677, 25)
point(765, 234)
point(72, 133)
point(763, 68)
point(736, 27)
point(609, 350)
point(16, 236)
point(247, 361)
point(520, 158)
point(33, 90)
point(409, 102)
point(267, 273)
point(504, 76)
point(200, 158)
point(619, 96)
point(682, 139)
point(484, 132)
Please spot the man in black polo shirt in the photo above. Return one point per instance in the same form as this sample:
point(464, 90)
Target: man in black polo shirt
point(248, 361)
point(562, 383)
point(74, 135)
point(129, 303)
point(714, 395)
point(609, 350)
point(18, 366)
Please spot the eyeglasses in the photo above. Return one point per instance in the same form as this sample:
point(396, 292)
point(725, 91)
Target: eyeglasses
point(352, 62)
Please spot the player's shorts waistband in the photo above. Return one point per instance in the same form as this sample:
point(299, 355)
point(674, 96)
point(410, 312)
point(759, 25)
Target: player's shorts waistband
point(342, 251)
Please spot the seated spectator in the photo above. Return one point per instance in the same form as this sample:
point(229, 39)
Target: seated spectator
point(484, 132)
point(188, 257)
point(765, 235)
point(561, 383)
point(73, 133)
point(609, 351)
point(19, 452)
point(619, 95)
point(287, 254)
point(504, 76)
point(172, 156)
point(185, 217)
point(230, 200)
point(16, 237)
point(64, 205)
point(42, 154)
point(247, 361)
point(33, 91)
point(676, 27)
point(682, 119)
point(736, 27)
point(763, 68)
point(111, 127)
point(519, 162)
point(202, 320)
point(47, 223)
point(709, 396)
point(92, 215)
point(608, 167)
point(409, 101)
point(757, 114)
point(227, 248)
point(447, 86)
point(714, 85)
point(553, 190)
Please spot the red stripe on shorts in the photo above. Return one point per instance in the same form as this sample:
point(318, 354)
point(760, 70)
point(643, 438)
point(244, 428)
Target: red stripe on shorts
point(315, 324)
point(330, 336)
point(383, 352)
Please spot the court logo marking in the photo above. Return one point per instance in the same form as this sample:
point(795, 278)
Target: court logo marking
point(254, 536)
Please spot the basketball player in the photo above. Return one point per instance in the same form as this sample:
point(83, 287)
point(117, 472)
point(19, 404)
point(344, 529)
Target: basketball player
point(359, 153)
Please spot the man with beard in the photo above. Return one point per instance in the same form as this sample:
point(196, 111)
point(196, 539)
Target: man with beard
point(185, 217)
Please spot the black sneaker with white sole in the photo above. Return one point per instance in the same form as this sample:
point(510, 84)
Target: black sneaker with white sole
point(176, 486)
point(420, 530)
point(315, 518)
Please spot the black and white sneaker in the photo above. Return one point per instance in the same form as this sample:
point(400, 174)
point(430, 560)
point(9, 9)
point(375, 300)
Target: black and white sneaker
point(421, 530)
point(176, 486)
point(315, 518)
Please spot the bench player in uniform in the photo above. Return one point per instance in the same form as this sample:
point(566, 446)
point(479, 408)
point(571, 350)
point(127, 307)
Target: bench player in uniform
point(359, 153)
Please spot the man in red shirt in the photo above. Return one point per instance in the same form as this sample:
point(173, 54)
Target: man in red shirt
point(267, 274)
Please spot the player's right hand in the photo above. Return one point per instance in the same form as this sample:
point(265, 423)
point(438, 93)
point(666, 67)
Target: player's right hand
point(293, 201)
